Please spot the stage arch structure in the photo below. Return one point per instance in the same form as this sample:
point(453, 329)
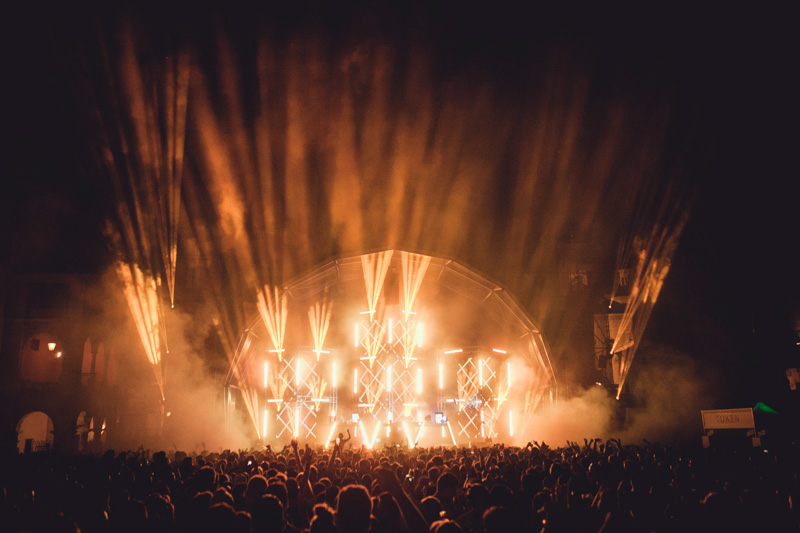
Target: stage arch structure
point(396, 347)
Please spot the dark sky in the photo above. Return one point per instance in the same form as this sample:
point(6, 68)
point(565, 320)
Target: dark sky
point(733, 290)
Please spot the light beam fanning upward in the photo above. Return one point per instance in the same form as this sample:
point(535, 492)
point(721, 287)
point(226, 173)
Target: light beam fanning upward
point(653, 256)
point(319, 316)
point(272, 308)
point(413, 274)
point(140, 292)
point(375, 267)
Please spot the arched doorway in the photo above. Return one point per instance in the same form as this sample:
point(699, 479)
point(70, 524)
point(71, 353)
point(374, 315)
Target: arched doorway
point(89, 432)
point(82, 429)
point(34, 433)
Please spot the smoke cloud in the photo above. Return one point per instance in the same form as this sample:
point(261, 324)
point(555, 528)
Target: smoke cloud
point(195, 405)
point(192, 370)
point(663, 405)
point(671, 389)
point(587, 415)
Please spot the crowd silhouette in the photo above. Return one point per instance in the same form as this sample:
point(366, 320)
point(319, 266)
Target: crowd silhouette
point(596, 486)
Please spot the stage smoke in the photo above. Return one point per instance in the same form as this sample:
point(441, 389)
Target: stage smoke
point(587, 415)
point(192, 390)
point(671, 388)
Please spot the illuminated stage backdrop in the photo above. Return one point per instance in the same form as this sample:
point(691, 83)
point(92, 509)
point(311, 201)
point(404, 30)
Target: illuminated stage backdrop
point(398, 348)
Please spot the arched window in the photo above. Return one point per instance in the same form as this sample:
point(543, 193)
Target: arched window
point(97, 366)
point(42, 358)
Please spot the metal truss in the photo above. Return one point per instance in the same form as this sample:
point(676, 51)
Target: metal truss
point(387, 379)
point(477, 398)
point(297, 419)
point(372, 384)
point(305, 393)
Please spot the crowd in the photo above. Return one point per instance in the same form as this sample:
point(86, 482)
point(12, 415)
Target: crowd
point(596, 486)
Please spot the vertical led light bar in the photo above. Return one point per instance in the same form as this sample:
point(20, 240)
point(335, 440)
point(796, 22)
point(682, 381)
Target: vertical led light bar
point(419, 380)
point(441, 375)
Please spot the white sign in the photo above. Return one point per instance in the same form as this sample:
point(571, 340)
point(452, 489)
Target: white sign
point(728, 419)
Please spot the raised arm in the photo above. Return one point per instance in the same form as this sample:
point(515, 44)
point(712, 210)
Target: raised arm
point(414, 519)
point(296, 453)
point(305, 486)
point(329, 469)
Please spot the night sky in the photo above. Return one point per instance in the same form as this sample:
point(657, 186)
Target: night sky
point(732, 298)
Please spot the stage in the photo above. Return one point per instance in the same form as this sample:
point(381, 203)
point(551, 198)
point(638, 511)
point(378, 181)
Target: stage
point(396, 347)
